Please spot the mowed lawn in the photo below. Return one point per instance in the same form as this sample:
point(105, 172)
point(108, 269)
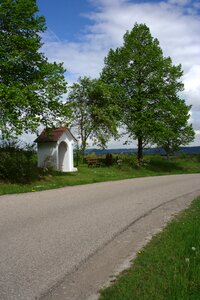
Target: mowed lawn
point(155, 166)
point(168, 268)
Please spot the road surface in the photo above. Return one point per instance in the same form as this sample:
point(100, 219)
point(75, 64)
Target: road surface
point(64, 243)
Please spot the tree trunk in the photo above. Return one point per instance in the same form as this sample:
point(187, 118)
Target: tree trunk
point(140, 151)
point(83, 147)
point(82, 152)
point(167, 150)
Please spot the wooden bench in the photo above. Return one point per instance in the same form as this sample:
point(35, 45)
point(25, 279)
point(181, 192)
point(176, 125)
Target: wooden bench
point(93, 162)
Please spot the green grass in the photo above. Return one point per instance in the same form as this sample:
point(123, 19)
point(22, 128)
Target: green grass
point(156, 166)
point(168, 268)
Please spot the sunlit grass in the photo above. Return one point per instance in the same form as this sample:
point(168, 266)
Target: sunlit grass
point(168, 268)
point(156, 165)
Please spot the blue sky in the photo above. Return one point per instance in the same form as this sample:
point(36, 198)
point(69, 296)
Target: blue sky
point(65, 17)
point(80, 33)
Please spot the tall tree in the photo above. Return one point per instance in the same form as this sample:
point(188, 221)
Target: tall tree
point(92, 112)
point(144, 84)
point(30, 86)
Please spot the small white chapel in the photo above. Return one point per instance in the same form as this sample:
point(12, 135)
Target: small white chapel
point(55, 149)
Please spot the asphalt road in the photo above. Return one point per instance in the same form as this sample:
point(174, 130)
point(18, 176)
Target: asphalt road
point(46, 236)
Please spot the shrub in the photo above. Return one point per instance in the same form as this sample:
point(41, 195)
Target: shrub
point(198, 157)
point(17, 164)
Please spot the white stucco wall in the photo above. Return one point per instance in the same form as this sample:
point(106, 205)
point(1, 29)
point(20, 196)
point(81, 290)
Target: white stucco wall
point(68, 165)
point(49, 152)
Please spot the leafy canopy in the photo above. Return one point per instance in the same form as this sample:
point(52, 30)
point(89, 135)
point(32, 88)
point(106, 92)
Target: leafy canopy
point(176, 131)
point(30, 86)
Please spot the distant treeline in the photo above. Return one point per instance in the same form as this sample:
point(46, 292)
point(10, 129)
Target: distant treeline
point(184, 150)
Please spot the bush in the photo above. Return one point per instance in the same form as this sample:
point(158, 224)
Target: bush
point(125, 159)
point(198, 157)
point(17, 164)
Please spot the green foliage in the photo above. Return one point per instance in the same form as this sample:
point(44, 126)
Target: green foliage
point(145, 87)
point(92, 112)
point(168, 267)
point(30, 86)
point(16, 164)
point(124, 167)
point(175, 130)
point(91, 155)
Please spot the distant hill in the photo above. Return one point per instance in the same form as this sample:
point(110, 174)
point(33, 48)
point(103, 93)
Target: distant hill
point(185, 150)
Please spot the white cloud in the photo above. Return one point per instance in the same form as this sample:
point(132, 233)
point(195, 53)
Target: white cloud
point(197, 139)
point(175, 23)
point(192, 87)
point(192, 94)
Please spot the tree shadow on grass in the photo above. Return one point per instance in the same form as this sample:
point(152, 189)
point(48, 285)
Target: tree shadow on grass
point(164, 165)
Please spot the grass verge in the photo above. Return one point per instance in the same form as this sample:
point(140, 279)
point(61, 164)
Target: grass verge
point(156, 166)
point(168, 268)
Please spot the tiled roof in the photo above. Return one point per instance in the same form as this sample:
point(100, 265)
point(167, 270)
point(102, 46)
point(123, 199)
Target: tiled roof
point(52, 135)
